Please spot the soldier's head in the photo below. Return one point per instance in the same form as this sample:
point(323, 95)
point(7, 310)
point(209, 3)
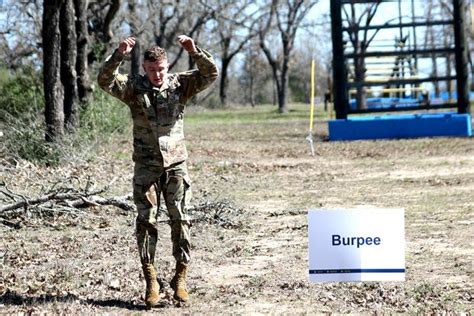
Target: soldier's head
point(155, 65)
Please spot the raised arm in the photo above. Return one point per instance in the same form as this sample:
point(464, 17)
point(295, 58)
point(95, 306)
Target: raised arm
point(109, 78)
point(196, 80)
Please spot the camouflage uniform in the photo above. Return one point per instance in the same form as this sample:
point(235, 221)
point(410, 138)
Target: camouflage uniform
point(159, 150)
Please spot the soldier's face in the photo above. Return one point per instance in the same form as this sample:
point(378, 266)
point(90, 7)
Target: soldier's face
point(156, 71)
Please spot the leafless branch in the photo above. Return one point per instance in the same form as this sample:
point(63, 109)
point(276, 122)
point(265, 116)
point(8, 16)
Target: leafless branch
point(69, 196)
point(111, 13)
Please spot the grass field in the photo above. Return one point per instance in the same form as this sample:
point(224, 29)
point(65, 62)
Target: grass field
point(251, 255)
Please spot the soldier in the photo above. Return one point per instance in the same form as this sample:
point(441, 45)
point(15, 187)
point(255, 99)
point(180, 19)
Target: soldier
point(156, 101)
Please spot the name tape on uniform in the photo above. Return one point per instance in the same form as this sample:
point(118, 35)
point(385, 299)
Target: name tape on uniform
point(358, 244)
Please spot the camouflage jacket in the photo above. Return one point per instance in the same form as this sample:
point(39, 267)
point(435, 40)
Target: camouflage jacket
point(157, 113)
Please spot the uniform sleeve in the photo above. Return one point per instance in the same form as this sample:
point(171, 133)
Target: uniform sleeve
point(111, 81)
point(196, 80)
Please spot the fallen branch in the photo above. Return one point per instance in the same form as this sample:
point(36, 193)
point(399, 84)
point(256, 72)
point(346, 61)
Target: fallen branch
point(78, 201)
point(66, 198)
point(10, 224)
point(117, 201)
point(45, 198)
point(69, 200)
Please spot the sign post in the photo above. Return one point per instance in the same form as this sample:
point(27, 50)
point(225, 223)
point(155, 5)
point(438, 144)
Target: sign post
point(356, 245)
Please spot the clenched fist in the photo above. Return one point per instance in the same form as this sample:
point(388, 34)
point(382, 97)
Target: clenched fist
point(187, 43)
point(126, 46)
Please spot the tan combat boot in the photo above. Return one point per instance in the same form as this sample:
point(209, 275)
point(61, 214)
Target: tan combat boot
point(178, 283)
point(152, 295)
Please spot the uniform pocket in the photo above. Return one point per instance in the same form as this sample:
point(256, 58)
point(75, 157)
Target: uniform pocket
point(187, 189)
point(145, 186)
point(144, 196)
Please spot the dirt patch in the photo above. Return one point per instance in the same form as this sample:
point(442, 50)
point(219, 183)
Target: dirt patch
point(250, 251)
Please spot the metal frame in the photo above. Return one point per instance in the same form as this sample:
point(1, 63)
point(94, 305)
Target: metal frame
point(340, 76)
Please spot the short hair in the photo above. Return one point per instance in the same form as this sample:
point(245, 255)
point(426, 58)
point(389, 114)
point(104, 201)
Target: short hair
point(155, 53)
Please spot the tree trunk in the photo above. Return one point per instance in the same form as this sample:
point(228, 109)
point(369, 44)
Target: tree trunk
point(252, 90)
point(67, 27)
point(472, 76)
point(283, 86)
point(449, 87)
point(449, 83)
point(136, 51)
point(359, 69)
point(287, 30)
point(84, 87)
point(51, 70)
point(109, 17)
point(224, 81)
point(274, 90)
point(471, 64)
point(434, 64)
point(401, 93)
point(135, 59)
point(282, 108)
point(435, 74)
point(275, 84)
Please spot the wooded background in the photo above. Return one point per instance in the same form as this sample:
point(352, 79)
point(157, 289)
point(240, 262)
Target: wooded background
point(62, 43)
point(50, 50)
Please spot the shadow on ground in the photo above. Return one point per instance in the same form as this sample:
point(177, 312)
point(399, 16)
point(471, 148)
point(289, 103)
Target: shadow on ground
point(14, 298)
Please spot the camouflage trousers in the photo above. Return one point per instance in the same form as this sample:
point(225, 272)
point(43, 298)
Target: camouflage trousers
point(149, 182)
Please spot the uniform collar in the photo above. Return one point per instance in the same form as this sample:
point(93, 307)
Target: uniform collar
point(166, 83)
point(164, 86)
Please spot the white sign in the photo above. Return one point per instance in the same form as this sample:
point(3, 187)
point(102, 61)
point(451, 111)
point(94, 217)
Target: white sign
point(356, 245)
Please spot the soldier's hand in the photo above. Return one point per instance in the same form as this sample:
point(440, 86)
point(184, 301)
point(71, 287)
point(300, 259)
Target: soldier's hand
point(126, 46)
point(187, 43)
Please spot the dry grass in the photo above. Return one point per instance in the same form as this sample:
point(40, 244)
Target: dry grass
point(260, 165)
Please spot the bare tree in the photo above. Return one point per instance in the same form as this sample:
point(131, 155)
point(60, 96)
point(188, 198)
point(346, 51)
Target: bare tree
point(430, 43)
point(135, 31)
point(196, 23)
point(23, 47)
point(360, 41)
point(84, 87)
point(20, 33)
point(470, 41)
point(164, 23)
point(288, 16)
point(235, 26)
point(67, 27)
point(61, 45)
point(448, 40)
point(251, 59)
point(51, 60)
point(255, 77)
point(168, 19)
point(443, 8)
point(109, 17)
point(100, 16)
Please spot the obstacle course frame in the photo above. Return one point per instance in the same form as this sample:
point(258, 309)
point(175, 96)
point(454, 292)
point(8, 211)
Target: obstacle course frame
point(342, 85)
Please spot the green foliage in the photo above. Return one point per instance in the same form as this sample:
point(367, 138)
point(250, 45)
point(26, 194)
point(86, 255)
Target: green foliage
point(21, 92)
point(104, 116)
point(299, 87)
point(98, 50)
point(23, 133)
